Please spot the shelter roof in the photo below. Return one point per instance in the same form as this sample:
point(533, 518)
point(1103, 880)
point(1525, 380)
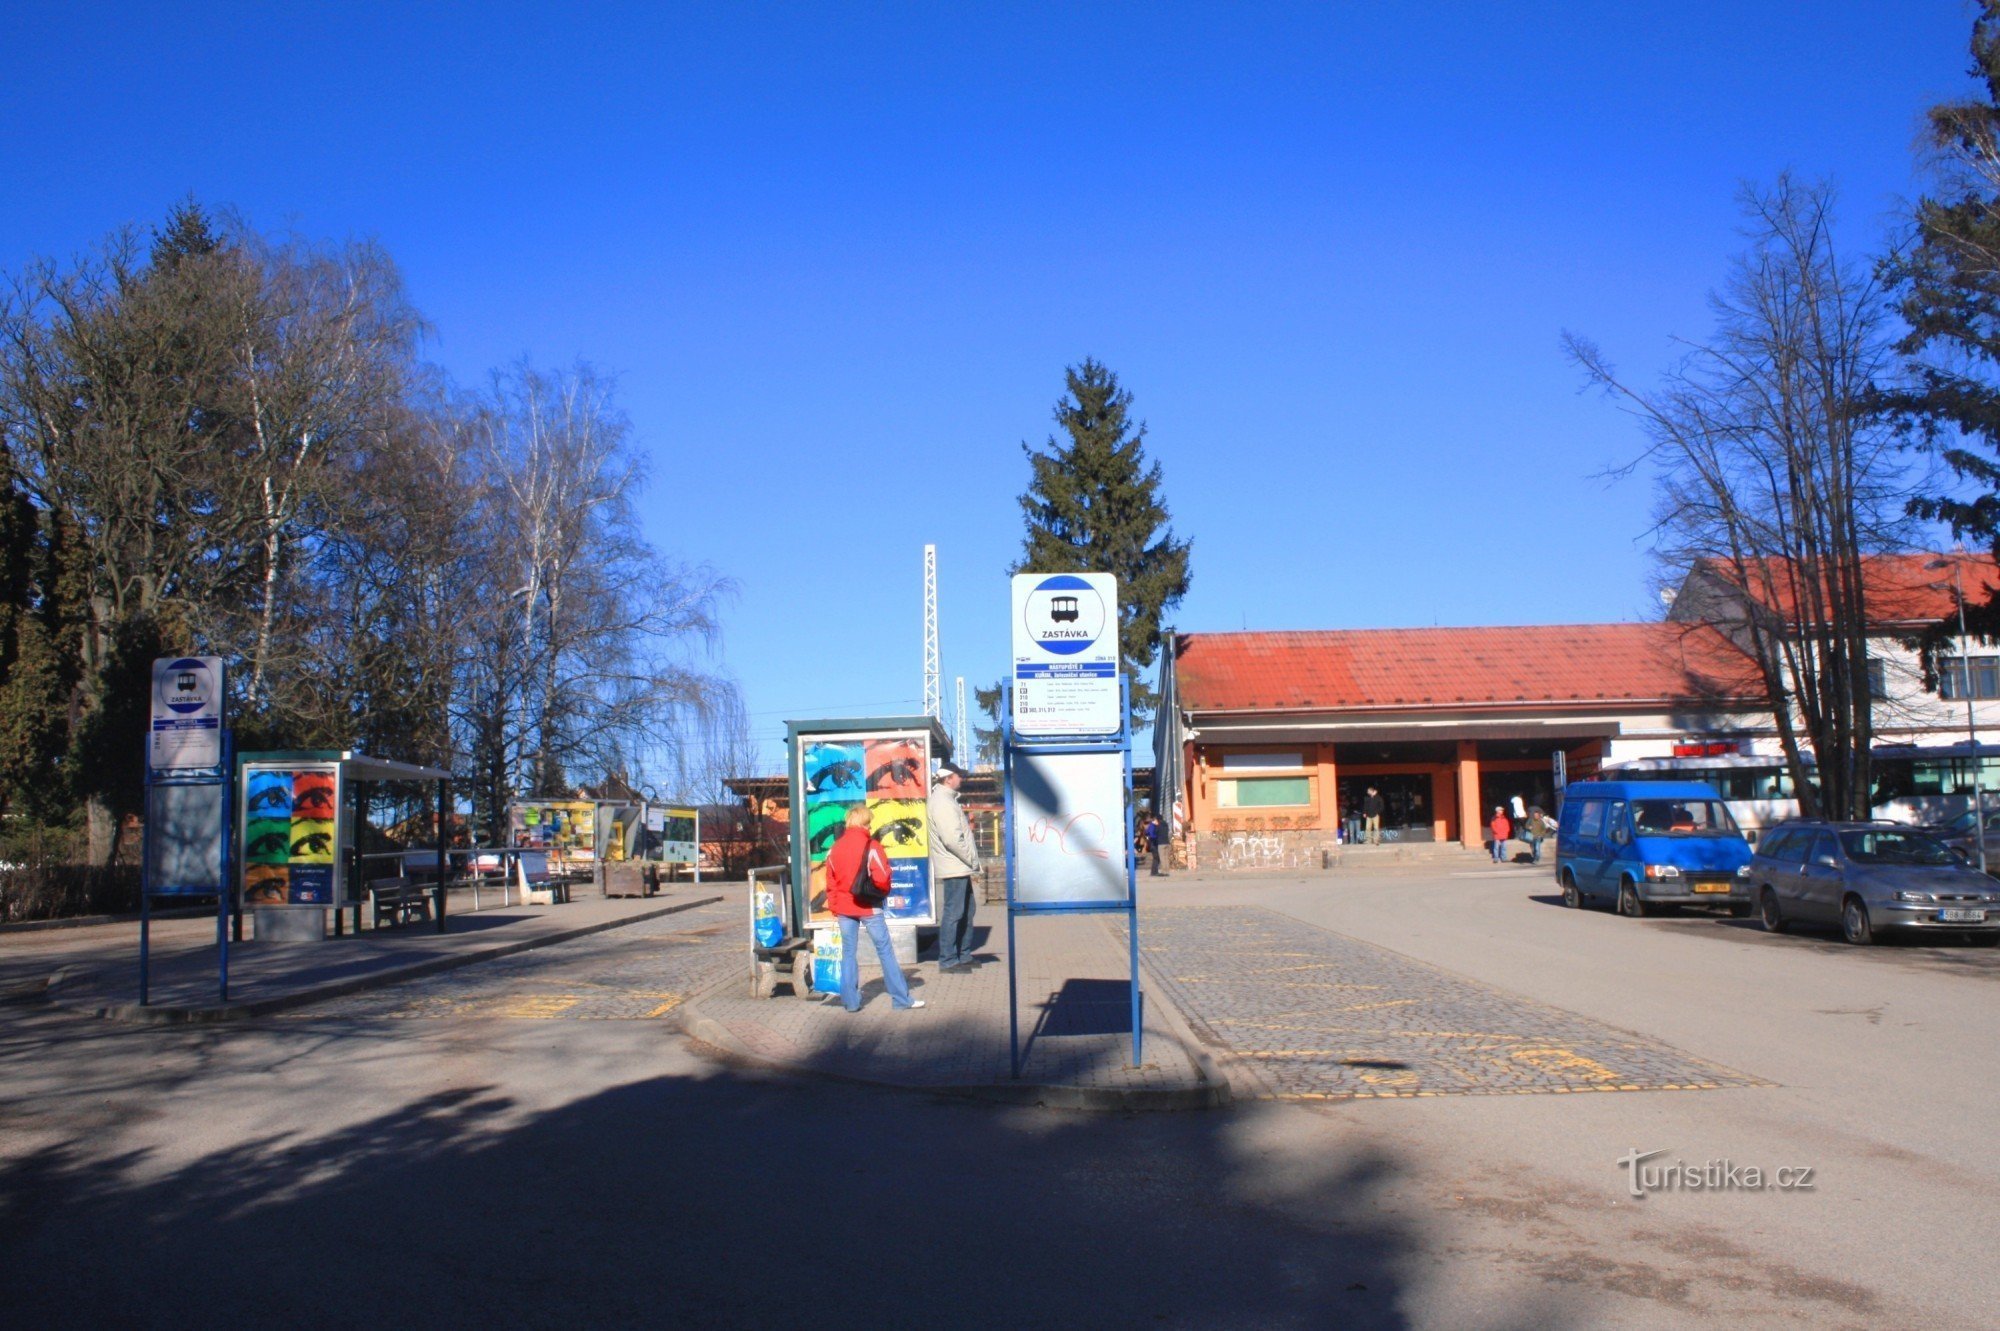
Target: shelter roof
point(354, 766)
point(1394, 669)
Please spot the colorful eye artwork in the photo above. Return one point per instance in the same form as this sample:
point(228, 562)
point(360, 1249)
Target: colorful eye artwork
point(896, 769)
point(899, 825)
point(835, 772)
point(290, 837)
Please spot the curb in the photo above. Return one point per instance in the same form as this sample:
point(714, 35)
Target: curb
point(97, 921)
point(1213, 1093)
point(1202, 1044)
point(136, 1015)
point(1212, 1070)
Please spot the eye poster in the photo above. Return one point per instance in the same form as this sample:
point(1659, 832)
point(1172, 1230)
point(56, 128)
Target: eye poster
point(889, 774)
point(290, 836)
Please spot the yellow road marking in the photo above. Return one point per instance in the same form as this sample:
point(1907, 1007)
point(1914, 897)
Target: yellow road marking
point(1564, 1061)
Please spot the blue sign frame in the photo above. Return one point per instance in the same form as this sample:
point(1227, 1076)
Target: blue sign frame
point(1012, 744)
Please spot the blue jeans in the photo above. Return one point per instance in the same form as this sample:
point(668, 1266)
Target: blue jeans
point(1534, 850)
point(955, 908)
point(850, 960)
point(1499, 851)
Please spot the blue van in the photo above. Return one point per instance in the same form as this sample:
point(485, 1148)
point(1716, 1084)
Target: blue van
point(1644, 844)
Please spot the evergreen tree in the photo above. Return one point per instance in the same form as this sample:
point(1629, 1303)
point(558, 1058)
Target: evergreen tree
point(1093, 506)
point(1948, 283)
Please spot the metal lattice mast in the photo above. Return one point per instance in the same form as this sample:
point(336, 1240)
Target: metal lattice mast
point(933, 680)
point(961, 747)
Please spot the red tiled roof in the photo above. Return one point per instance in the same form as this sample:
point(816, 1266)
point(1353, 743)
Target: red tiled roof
point(1399, 668)
point(1898, 589)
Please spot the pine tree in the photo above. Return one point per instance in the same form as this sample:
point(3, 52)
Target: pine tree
point(1093, 506)
point(1949, 285)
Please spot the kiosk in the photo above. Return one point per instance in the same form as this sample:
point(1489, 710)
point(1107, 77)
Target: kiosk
point(884, 763)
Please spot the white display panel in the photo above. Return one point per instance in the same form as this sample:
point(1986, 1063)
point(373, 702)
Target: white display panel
point(1069, 829)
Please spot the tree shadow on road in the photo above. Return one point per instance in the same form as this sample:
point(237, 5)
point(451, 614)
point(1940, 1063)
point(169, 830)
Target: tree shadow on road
point(725, 1197)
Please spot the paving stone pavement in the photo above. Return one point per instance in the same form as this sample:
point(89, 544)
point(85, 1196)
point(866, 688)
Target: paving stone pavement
point(1314, 1015)
point(641, 971)
point(1075, 1014)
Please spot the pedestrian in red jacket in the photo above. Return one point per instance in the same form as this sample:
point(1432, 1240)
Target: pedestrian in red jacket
point(858, 852)
point(1502, 830)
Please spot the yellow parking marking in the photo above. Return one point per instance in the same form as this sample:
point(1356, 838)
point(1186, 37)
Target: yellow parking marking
point(536, 1007)
point(673, 1001)
point(1566, 1062)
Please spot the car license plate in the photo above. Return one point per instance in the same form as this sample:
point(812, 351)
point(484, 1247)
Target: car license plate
point(1711, 887)
point(1961, 917)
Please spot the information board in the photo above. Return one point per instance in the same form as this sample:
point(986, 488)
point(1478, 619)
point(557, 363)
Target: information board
point(1066, 654)
point(184, 839)
point(1069, 829)
point(679, 835)
point(187, 714)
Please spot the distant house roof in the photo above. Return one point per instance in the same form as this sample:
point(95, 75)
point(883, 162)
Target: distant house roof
point(1391, 669)
point(1898, 589)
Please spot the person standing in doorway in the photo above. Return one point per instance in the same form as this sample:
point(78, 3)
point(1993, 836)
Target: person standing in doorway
point(954, 859)
point(1502, 830)
point(1536, 829)
point(1371, 816)
point(857, 881)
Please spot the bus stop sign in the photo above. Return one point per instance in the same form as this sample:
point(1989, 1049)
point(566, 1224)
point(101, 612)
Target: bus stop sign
point(1066, 654)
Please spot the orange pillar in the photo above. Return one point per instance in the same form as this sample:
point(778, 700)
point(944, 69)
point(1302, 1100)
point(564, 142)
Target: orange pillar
point(1471, 817)
point(1441, 802)
point(1329, 791)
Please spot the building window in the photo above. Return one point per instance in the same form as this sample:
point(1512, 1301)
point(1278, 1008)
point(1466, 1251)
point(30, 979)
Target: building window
point(1985, 677)
point(1263, 792)
point(1878, 681)
point(1263, 762)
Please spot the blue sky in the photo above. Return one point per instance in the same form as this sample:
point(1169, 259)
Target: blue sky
point(833, 252)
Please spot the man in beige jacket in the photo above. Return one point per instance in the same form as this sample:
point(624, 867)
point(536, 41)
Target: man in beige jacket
point(954, 859)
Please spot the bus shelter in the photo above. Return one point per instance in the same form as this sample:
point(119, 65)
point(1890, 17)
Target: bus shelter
point(299, 815)
point(609, 840)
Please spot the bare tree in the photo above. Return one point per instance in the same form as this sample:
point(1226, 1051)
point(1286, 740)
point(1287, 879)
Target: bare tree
point(600, 655)
point(1774, 476)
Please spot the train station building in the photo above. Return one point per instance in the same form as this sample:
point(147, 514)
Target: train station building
point(1278, 735)
point(1281, 734)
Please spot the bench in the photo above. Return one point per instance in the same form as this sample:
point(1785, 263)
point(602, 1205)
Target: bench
point(399, 899)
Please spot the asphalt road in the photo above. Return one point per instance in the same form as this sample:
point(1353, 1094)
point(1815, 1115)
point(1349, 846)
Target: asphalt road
point(476, 1155)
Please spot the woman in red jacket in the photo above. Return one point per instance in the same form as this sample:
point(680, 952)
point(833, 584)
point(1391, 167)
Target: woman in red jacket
point(858, 852)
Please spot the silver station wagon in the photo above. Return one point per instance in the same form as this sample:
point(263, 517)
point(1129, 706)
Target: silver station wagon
point(1868, 878)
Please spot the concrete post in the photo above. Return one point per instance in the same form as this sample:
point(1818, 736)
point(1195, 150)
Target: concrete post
point(1471, 823)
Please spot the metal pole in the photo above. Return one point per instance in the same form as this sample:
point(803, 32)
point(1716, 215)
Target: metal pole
point(440, 860)
point(228, 865)
point(145, 881)
point(1971, 731)
point(1131, 871)
point(1007, 833)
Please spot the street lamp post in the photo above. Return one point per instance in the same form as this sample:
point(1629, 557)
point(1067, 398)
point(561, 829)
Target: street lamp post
point(1965, 683)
